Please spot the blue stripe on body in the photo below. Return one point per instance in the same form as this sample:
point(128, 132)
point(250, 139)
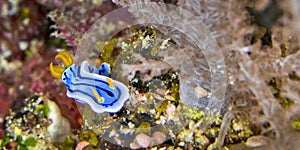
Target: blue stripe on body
point(97, 87)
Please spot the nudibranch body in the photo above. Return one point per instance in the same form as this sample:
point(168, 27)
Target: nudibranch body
point(90, 85)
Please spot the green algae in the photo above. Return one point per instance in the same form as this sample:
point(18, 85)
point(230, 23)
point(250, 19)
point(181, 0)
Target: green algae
point(296, 124)
point(144, 127)
point(108, 49)
point(89, 136)
point(5, 141)
point(44, 109)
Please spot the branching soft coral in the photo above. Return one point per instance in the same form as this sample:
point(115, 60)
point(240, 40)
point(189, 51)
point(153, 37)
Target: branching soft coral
point(270, 74)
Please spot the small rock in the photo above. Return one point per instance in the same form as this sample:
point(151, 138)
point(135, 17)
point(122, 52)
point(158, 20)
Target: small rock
point(200, 92)
point(170, 109)
point(186, 135)
point(158, 137)
point(169, 97)
point(134, 145)
point(157, 96)
point(256, 141)
point(237, 126)
point(143, 140)
point(23, 46)
point(203, 141)
point(181, 144)
point(160, 91)
point(142, 97)
point(82, 145)
point(17, 131)
point(131, 125)
point(60, 127)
